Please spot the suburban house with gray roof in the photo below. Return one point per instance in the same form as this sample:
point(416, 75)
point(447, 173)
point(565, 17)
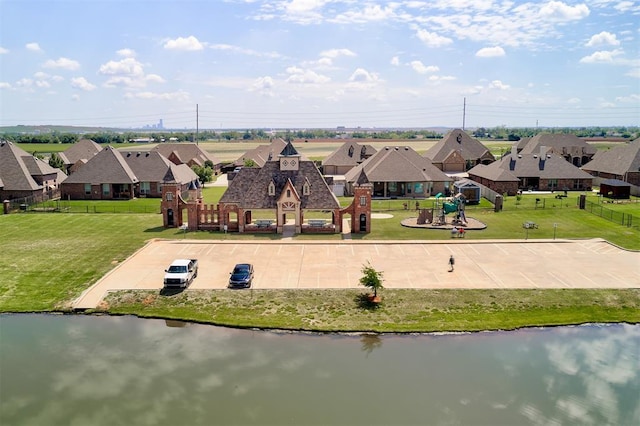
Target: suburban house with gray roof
point(261, 153)
point(24, 176)
point(190, 154)
point(346, 157)
point(620, 162)
point(398, 172)
point(116, 175)
point(538, 172)
point(285, 187)
point(78, 154)
point(569, 146)
point(457, 152)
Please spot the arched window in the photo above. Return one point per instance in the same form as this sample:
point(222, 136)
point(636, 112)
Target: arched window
point(272, 188)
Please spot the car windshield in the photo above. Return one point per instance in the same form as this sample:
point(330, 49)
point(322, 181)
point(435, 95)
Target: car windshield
point(241, 269)
point(177, 269)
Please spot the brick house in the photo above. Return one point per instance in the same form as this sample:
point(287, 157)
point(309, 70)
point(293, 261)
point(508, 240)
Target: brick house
point(568, 146)
point(346, 157)
point(78, 154)
point(621, 162)
point(188, 153)
point(537, 172)
point(398, 172)
point(24, 176)
point(152, 169)
point(458, 152)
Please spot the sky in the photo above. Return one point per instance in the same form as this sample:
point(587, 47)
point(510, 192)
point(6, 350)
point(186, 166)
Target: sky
point(248, 64)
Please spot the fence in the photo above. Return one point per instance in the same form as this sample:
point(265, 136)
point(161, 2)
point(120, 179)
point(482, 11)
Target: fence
point(624, 219)
point(62, 206)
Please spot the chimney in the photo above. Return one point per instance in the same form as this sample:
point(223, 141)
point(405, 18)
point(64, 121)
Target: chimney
point(543, 151)
point(514, 150)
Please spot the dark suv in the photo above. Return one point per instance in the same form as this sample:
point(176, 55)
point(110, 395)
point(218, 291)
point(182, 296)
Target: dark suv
point(241, 276)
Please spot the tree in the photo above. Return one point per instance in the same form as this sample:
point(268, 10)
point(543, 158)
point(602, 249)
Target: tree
point(249, 163)
point(204, 173)
point(56, 161)
point(371, 278)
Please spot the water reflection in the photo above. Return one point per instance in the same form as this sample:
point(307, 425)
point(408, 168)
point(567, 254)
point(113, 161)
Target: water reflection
point(121, 370)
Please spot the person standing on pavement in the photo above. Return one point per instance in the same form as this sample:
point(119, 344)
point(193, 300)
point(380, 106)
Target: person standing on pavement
point(452, 262)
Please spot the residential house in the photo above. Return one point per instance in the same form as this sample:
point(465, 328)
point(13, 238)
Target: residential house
point(24, 176)
point(538, 172)
point(346, 157)
point(261, 154)
point(190, 154)
point(398, 172)
point(286, 185)
point(457, 152)
point(78, 154)
point(569, 146)
point(620, 162)
point(152, 169)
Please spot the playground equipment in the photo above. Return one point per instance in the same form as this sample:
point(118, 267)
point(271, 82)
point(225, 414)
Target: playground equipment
point(455, 205)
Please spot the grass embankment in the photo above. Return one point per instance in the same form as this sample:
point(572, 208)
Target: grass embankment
point(49, 259)
point(400, 310)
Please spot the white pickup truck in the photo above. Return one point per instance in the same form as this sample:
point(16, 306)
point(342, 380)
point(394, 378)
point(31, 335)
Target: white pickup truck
point(180, 273)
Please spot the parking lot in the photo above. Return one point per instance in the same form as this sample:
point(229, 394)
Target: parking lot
point(405, 264)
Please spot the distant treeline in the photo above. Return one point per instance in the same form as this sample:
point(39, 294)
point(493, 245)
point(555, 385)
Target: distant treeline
point(496, 133)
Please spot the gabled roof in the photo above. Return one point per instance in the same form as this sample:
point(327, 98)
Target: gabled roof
point(184, 152)
point(550, 166)
point(493, 172)
point(262, 153)
point(397, 164)
point(349, 154)
point(457, 140)
point(107, 166)
point(84, 149)
point(556, 142)
point(618, 160)
point(18, 168)
point(250, 187)
point(151, 166)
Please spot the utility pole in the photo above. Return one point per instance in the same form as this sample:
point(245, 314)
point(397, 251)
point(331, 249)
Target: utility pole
point(464, 112)
point(197, 118)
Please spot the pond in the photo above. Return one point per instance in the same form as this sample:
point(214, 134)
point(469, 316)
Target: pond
point(100, 370)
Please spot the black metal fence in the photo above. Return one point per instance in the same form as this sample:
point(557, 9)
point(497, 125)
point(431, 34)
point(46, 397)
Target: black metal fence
point(624, 219)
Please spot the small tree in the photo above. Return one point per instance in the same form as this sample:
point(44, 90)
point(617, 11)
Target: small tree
point(371, 278)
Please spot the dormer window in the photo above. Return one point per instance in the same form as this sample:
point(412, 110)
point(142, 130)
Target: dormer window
point(363, 152)
point(351, 151)
point(272, 188)
point(305, 188)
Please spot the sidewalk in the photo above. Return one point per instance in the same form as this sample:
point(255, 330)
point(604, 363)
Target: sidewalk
point(291, 264)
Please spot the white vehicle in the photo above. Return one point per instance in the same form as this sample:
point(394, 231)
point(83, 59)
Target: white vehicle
point(180, 273)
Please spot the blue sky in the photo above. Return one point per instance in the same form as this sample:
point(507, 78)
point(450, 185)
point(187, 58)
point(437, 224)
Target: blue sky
point(319, 63)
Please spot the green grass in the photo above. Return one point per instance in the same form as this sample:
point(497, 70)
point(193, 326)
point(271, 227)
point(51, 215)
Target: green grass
point(400, 310)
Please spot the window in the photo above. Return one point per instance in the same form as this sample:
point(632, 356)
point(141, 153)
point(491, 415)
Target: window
point(87, 189)
point(288, 193)
point(393, 186)
point(169, 196)
point(418, 188)
point(145, 187)
point(105, 189)
point(272, 188)
point(553, 184)
point(305, 188)
point(363, 200)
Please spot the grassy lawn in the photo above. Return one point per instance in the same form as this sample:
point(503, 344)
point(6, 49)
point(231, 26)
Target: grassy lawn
point(48, 259)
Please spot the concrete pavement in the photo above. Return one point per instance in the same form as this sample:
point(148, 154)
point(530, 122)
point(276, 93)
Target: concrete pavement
point(290, 264)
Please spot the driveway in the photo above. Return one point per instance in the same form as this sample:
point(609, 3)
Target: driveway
point(288, 264)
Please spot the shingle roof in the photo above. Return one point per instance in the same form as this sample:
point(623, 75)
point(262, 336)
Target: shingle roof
point(550, 166)
point(17, 168)
point(397, 164)
point(493, 172)
point(457, 140)
point(618, 160)
point(556, 142)
point(250, 187)
point(186, 152)
point(107, 166)
point(151, 166)
point(84, 149)
point(349, 154)
point(262, 153)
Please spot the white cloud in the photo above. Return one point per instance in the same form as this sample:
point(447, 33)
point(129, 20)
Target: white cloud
point(42, 84)
point(420, 68)
point(82, 84)
point(497, 84)
point(242, 50)
point(127, 53)
point(490, 52)
point(560, 11)
point(361, 75)
point(370, 13)
point(64, 63)
point(634, 98)
point(34, 47)
point(395, 61)
point(334, 53)
point(602, 56)
point(635, 72)
point(180, 95)
point(603, 38)
point(5, 85)
point(154, 78)
point(3, 51)
point(75, 97)
point(126, 72)
point(300, 76)
point(184, 43)
point(432, 39)
point(263, 85)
